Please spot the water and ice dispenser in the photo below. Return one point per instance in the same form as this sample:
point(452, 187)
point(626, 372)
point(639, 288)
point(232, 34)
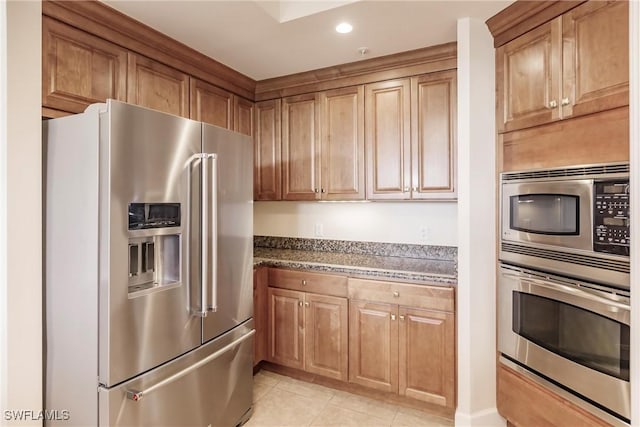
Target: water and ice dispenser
point(154, 246)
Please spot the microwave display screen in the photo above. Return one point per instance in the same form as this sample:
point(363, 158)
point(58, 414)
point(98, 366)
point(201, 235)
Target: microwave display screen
point(574, 333)
point(554, 214)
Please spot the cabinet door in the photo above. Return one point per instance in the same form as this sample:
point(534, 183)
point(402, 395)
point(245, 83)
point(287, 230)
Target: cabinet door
point(260, 313)
point(300, 148)
point(79, 69)
point(433, 127)
point(342, 129)
point(243, 116)
point(528, 74)
point(373, 345)
point(387, 139)
point(595, 57)
point(427, 356)
point(154, 85)
point(266, 157)
point(210, 104)
point(326, 337)
point(286, 327)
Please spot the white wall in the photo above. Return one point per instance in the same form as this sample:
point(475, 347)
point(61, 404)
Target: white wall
point(21, 281)
point(476, 291)
point(431, 223)
point(634, 116)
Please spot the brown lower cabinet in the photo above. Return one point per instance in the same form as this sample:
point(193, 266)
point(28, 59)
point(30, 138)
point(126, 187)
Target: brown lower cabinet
point(524, 403)
point(308, 331)
point(404, 350)
point(393, 337)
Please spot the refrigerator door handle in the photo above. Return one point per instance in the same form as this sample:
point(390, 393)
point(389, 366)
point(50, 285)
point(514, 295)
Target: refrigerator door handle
point(137, 395)
point(191, 162)
point(213, 258)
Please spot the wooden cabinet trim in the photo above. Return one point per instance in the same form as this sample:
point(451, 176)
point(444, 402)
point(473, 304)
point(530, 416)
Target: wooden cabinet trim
point(404, 64)
point(523, 16)
point(101, 20)
point(260, 313)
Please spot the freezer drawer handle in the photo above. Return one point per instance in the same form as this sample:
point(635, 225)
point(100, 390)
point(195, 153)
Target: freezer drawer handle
point(137, 395)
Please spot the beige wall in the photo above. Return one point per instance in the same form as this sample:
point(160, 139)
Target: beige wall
point(21, 286)
point(431, 223)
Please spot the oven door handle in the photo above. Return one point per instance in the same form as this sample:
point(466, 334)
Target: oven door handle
point(570, 291)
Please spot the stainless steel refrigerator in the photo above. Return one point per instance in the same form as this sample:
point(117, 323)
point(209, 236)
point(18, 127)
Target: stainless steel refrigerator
point(149, 226)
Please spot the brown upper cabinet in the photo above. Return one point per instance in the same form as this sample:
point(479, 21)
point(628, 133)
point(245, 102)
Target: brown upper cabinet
point(79, 69)
point(300, 148)
point(154, 85)
point(323, 145)
point(411, 137)
point(211, 104)
point(573, 65)
point(243, 115)
point(267, 165)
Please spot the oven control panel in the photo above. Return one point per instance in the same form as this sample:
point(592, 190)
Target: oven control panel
point(611, 217)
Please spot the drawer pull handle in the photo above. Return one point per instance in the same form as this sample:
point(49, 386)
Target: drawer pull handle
point(396, 294)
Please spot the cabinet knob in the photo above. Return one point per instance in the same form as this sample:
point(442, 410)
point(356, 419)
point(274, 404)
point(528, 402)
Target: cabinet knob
point(304, 282)
point(322, 190)
point(316, 190)
point(300, 303)
point(406, 189)
point(402, 317)
point(565, 101)
point(396, 294)
point(393, 317)
point(553, 103)
point(306, 304)
point(414, 189)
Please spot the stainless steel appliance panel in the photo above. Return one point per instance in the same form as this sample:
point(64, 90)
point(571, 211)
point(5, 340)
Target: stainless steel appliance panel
point(580, 189)
point(210, 386)
point(605, 389)
point(229, 238)
point(147, 157)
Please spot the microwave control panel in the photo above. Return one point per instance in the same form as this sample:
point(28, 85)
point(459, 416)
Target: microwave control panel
point(611, 217)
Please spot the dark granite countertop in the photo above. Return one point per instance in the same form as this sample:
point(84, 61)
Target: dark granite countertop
point(432, 271)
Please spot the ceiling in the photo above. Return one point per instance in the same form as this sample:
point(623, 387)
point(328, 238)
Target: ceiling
point(264, 39)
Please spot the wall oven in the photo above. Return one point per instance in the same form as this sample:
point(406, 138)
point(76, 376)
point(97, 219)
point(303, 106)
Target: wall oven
point(572, 333)
point(572, 221)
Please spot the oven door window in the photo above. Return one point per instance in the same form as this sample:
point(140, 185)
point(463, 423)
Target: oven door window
point(554, 214)
point(574, 333)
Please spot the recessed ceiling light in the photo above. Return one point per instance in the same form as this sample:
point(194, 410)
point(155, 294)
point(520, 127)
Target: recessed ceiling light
point(344, 28)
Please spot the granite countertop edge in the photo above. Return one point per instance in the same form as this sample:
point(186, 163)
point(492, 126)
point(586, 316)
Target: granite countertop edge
point(382, 273)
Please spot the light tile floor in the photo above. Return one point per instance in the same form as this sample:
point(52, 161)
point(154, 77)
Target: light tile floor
point(283, 401)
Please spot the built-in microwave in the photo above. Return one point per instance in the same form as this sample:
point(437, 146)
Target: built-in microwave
point(572, 221)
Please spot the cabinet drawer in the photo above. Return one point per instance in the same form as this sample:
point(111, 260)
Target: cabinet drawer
point(419, 296)
point(317, 283)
